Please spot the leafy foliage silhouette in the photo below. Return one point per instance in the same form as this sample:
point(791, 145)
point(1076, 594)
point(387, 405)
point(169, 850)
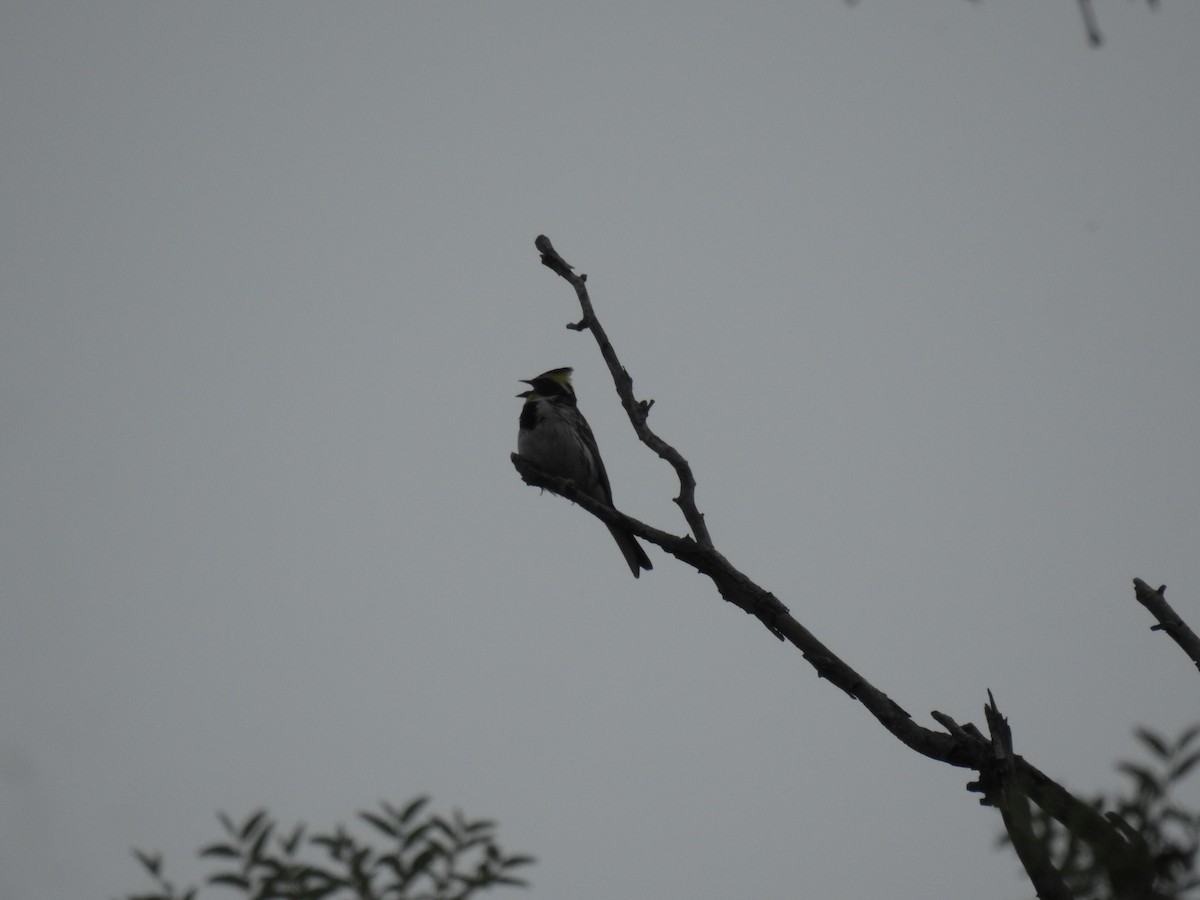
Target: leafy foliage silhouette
point(424, 857)
point(1147, 813)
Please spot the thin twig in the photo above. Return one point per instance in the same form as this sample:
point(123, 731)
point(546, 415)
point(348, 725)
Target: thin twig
point(1090, 25)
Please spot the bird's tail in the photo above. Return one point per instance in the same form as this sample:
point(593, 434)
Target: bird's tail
point(631, 550)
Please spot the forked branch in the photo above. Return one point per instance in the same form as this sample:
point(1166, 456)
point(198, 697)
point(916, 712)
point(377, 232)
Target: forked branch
point(637, 411)
point(1006, 779)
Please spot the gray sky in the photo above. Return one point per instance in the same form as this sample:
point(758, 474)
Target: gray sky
point(914, 287)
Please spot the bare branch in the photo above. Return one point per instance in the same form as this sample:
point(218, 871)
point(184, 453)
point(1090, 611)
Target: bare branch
point(637, 411)
point(1006, 779)
point(1010, 784)
point(1168, 620)
point(732, 584)
point(1000, 784)
point(1090, 25)
point(737, 588)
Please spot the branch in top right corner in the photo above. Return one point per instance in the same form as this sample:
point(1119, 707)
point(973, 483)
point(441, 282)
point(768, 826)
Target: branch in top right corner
point(1090, 25)
point(1168, 620)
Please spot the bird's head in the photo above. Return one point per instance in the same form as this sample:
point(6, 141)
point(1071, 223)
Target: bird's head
point(552, 385)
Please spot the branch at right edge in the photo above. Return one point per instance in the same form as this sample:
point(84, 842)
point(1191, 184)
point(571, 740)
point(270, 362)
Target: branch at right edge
point(1168, 620)
point(1090, 25)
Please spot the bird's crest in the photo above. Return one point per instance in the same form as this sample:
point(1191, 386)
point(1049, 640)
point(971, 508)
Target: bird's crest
point(554, 385)
point(562, 376)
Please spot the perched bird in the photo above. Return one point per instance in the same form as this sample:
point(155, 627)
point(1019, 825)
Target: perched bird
point(556, 437)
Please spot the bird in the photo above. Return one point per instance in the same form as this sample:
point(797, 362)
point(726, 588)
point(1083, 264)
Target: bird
point(554, 435)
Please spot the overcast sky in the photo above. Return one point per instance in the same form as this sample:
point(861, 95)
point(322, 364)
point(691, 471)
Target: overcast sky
point(913, 285)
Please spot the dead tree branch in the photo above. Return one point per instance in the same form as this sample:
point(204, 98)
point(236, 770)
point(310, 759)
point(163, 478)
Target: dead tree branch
point(1169, 621)
point(1011, 784)
point(1006, 780)
point(1090, 26)
point(1002, 785)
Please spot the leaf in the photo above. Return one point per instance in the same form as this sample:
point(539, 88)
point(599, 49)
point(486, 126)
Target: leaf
point(358, 862)
point(1147, 782)
point(251, 824)
point(1154, 741)
point(222, 850)
point(513, 861)
point(414, 807)
point(379, 824)
point(227, 823)
point(417, 834)
point(230, 879)
point(424, 858)
point(391, 861)
point(274, 869)
point(482, 824)
point(509, 880)
point(260, 842)
point(1182, 817)
point(443, 826)
point(335, 844)
point(307, 874)
point(151, 861)
point(466, 845)
point(292, 841)
point(1181, 768)
point(1186, 737)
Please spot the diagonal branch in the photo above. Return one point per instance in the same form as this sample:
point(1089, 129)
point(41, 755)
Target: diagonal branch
point(1168, 620)
point(733, 585)
point(737, 588)
point(1090, 26)
point(1006, 779)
